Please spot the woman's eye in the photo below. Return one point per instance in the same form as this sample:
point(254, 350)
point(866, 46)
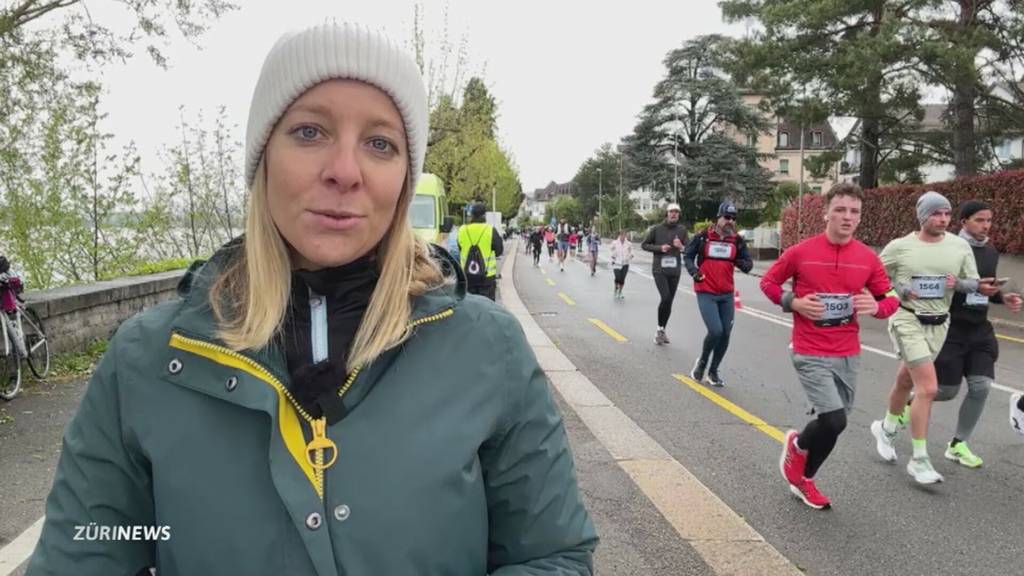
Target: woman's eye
point(381, 145)
point(307, 132)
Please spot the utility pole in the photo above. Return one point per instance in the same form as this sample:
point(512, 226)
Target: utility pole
point(675, 167)
point(620, 190)
point(600, 193)
point(800, 201)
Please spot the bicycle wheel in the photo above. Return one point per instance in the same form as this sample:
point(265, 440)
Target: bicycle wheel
point(10, 374)
point(36, 343)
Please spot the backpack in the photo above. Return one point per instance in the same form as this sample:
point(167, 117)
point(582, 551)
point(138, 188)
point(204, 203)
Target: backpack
point(476, 267)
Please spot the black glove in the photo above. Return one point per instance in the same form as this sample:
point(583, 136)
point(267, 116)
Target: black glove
point(698, 277)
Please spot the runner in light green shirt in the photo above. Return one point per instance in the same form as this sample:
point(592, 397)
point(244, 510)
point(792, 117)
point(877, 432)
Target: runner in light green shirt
point(925, 267)
point(919, 270)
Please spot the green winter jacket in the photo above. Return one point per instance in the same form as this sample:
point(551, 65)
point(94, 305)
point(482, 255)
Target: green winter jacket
point(452, 458)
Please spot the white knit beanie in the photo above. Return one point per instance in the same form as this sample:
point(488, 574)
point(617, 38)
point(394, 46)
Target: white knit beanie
point(301, 60)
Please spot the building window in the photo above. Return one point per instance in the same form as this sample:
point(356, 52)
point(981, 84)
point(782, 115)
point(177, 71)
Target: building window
point(783, 139)
point(752, 140)
point(783, 165)
point(816, 138)
point(1003, 150)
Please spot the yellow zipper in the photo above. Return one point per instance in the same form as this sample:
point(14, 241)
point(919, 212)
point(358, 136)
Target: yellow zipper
point(320, 442)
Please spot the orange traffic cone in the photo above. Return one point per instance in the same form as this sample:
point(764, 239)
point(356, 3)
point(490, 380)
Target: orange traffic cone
point(736, 300)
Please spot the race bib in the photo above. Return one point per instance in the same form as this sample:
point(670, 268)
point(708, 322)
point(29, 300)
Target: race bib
point(720, 250)
point(669, 262)
point(976, 299)
point(838, 309)
point(929, 287)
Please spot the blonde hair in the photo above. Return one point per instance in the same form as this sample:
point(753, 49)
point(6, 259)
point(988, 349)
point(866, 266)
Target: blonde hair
point(250, 297)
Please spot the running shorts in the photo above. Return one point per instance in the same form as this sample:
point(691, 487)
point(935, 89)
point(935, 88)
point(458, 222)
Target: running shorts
point(969, 350)
point(914, 342)
point(830, 382)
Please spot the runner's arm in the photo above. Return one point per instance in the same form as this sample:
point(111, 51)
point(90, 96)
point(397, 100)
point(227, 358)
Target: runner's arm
point(690, 255)
point(496, 243)
point(648, 243)
point(890, 262)
point(777, 275)
point(743, 260)
point(881, 288)
point(967, 281)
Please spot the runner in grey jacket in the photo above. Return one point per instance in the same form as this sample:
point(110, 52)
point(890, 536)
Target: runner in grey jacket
point(667, 241)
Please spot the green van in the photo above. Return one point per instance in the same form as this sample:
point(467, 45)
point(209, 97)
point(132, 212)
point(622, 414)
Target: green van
point(429, 211)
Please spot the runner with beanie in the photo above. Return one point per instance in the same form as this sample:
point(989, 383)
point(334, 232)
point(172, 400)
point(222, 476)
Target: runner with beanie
point(835, 279)
point(666, 241)
point(971, 349)
point(711, 258)
point(925, 268)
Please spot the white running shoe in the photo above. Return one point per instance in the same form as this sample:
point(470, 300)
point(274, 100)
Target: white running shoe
point(884, 441)
point(1016, 414)
point(922, 471)
point(698, 370)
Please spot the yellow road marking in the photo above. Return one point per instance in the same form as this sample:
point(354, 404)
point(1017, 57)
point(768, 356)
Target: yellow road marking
point(733, 409)
point(543, 271)
point(550, 282)
point(1010, 338)
point(608, 330)
point(565, 297)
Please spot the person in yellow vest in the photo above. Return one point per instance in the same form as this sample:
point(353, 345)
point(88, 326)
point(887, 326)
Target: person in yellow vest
point(480, 246)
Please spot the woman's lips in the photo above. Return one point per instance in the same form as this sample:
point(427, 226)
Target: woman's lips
point(338, 221)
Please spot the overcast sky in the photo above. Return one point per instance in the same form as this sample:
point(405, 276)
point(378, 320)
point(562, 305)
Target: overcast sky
point(568, 75)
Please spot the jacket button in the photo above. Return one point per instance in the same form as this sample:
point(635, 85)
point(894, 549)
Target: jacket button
point(231, 384)
point(341, 513)
point(175, 366)
point(313, 521)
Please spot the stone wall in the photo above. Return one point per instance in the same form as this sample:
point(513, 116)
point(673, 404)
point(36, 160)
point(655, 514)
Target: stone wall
point(74, 316)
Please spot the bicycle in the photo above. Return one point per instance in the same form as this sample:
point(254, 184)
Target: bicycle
point(22, 335)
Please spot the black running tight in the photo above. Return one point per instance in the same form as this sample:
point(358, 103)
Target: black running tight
point(667, 286)
point(819, 438)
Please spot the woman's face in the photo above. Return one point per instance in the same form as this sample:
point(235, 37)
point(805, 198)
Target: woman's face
point(336, 164)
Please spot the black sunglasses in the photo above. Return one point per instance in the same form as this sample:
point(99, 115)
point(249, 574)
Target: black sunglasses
point(728, 216)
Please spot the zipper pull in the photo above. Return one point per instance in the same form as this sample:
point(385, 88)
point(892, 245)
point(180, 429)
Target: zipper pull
point(320, 441)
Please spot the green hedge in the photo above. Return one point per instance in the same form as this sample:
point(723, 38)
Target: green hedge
point(890, 212)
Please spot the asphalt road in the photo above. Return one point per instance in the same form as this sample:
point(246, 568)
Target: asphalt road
point(881, 522)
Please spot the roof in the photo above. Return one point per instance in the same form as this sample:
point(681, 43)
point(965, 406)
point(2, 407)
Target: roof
point(828, 139)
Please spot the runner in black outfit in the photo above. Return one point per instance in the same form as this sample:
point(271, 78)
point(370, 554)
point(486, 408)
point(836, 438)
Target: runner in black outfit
point(667, 241)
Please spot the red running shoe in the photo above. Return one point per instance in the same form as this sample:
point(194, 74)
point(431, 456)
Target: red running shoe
point(793, 461)
point(808, 492)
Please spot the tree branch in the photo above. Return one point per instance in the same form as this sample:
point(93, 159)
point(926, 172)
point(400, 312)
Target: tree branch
point(28, 12)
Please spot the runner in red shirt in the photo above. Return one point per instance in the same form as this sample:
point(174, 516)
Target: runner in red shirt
point(835, 278)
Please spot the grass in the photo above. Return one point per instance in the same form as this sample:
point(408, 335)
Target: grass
point(160, 266)
point(77, 364)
